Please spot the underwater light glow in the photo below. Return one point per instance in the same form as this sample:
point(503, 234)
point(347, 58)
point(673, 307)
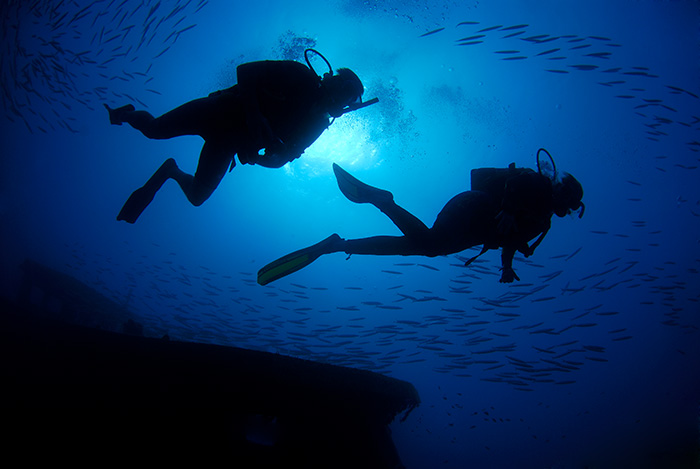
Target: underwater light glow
point(346, 142)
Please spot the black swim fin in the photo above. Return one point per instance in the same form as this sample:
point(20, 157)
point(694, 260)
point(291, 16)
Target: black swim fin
point(136, 204)
point(140, 198)
point(116, 116)
point(357, 191)
point(296, 260)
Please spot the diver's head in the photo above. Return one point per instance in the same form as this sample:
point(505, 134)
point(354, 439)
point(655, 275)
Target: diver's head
point(341, 90)
point(568, 193)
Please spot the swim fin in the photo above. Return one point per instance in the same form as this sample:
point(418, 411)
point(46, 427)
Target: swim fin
point(357, 191)
point(141, 197)
point(136, 204)
point(116, 116)
point(296, 260)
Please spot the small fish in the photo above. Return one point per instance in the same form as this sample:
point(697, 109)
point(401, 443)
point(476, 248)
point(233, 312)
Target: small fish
point(584, 67)
point(517, 26)
point(574, 253)
point(470, 43)
point(491, 28)
point(599, 55)
point(535, 38)
point(431, 32)
point(469, 38)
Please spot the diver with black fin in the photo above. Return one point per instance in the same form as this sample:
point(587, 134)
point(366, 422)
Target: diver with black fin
point(279, 107)
point(506, 208)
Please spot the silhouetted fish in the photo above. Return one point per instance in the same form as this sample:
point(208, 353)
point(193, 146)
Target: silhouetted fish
point(431, 32)
point(517, 26)
point(490, 28)
point(550, 51)
point(471, 38)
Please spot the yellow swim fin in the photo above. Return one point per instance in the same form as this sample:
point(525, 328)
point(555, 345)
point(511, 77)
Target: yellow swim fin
point(296, 260)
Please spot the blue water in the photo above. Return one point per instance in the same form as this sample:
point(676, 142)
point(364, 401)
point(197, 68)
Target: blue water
point(591, 360)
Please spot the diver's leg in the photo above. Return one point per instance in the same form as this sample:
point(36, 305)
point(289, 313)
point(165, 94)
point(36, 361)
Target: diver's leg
point(379, 245)
point(467, 220)
point(189, 119)
point(405, 221)
point(384, 246)
point(214, 160)
point(359, 192)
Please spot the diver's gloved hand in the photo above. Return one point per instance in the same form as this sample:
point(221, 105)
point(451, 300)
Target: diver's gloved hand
point(508, 275)
point(527, 251)
point(506, 223)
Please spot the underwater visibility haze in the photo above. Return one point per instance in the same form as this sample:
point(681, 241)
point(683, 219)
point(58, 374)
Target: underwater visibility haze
point(591, 359)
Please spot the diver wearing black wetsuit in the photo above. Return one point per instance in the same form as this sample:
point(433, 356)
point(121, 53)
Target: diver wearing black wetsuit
point(279, 106)
point(507, 208)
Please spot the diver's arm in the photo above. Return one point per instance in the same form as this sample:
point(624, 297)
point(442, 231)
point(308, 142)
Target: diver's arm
point(511, 205)
point(508, 274)
point(277, 156)
point(507, 225)
point(530, 250)
point(526, 191)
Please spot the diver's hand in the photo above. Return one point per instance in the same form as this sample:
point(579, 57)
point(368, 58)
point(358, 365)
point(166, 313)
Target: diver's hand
point(506, 223)
point(527, 251)
point(508, 275)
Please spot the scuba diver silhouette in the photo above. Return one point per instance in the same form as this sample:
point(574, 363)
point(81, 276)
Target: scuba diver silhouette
point(506, 208)
point(280, 107)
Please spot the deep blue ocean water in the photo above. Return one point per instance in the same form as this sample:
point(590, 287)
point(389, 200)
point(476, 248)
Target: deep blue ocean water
point(591, 360)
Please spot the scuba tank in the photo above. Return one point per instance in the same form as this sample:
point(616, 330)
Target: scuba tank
point(493, 180)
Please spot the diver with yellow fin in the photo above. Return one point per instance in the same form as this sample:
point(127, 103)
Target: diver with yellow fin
point(506, 208)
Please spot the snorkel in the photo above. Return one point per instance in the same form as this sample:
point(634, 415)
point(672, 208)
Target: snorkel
point(328, 74)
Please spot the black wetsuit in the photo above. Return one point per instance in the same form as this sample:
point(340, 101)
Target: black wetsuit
point(470, 219)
